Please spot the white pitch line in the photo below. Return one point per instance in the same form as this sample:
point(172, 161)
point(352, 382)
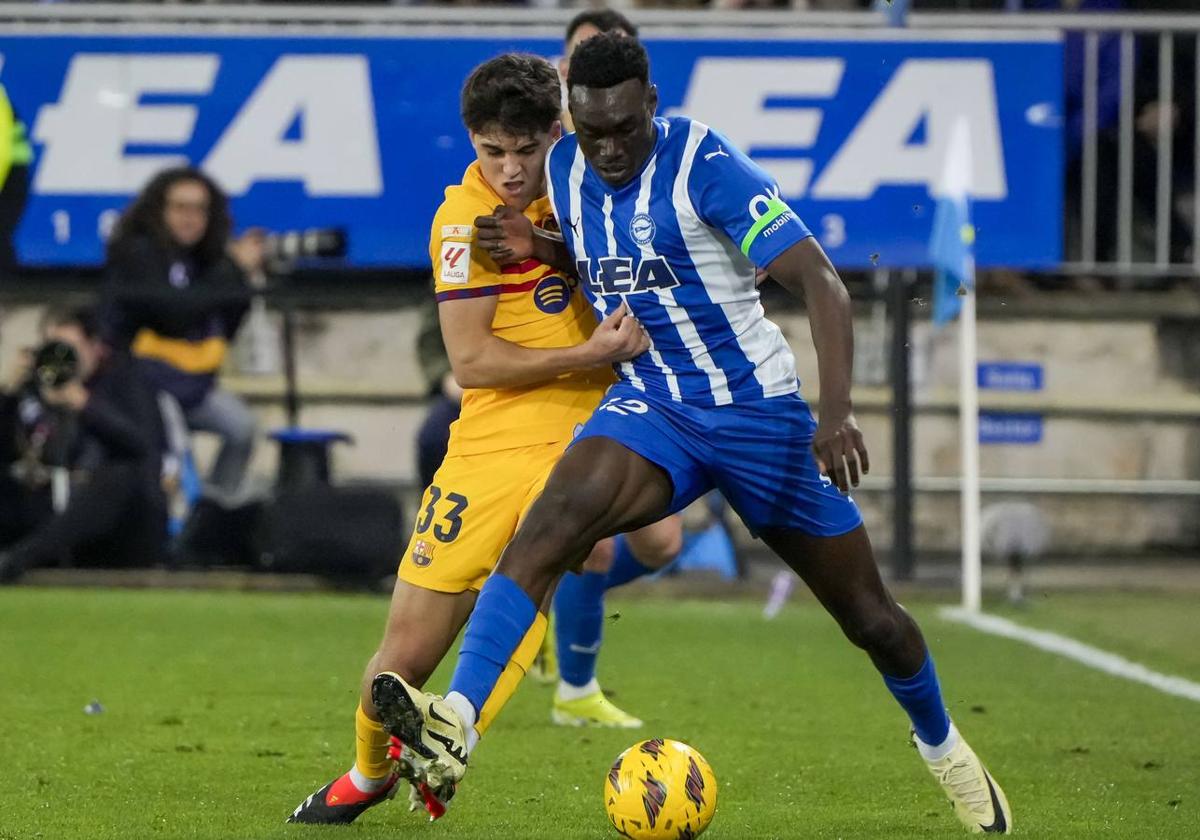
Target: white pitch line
point(1101, 660)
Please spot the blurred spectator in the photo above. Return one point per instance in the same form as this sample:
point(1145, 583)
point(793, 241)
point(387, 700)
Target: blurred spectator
point(74, 406)
point(1180, 114)
point(177, 293)
point(1147, 144)
point(15, 157)
point(588, 24)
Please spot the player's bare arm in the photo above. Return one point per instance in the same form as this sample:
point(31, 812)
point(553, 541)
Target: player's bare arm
point(481, 359)
point(805, 271)
point(510, 237)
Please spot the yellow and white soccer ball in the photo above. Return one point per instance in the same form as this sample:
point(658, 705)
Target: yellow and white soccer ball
point(660, 790)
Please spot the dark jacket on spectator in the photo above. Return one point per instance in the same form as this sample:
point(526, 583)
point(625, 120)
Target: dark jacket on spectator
point(174, 315)
point(116, 511)
point(121, 422)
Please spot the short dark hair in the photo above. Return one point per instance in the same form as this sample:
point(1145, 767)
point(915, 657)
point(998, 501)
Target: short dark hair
point(607, 60)
point(84, 317)
point(144, 217)
point(518, 92)
point(606, 20)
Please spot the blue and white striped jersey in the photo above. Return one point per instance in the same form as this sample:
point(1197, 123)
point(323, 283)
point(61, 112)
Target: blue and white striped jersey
point(679, 243)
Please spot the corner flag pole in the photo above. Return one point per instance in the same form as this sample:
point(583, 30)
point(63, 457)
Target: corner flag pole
point(968, 408)
point(952, 252)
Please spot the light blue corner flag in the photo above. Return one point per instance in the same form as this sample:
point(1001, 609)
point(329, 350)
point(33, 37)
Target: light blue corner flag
point(897, 11)
point(952, 243)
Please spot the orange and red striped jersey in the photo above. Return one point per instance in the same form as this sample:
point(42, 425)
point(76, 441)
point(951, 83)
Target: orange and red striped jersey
point(536, 306)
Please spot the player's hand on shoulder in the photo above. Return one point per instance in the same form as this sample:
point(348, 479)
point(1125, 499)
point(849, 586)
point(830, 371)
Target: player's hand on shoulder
point(506, 235)
point(840, 450)
point(619, 338)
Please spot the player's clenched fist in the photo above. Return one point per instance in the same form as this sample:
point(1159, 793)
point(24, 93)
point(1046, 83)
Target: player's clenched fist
point(840, 451)
point(507, 235)
point(619, 338)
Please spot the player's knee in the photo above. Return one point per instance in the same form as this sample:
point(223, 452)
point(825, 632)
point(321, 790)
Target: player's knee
point(656, 546)
point(600, 559)
point(875, 628)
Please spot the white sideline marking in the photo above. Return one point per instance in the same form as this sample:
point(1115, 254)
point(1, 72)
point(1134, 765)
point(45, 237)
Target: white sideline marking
point(1101, 660)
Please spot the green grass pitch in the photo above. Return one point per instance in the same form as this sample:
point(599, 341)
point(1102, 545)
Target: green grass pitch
point(224, 710)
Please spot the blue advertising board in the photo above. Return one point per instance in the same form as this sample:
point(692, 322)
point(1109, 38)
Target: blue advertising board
point(364, 133)
point(1003, 427)
point(1010, 376)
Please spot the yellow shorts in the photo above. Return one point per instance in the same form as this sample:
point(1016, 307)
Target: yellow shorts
point(470, 512)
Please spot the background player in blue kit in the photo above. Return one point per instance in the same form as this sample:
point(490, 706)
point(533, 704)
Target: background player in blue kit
point(665, 216)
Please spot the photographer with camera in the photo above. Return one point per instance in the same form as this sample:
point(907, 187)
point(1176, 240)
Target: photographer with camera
point(178, 290)
point(76, 408)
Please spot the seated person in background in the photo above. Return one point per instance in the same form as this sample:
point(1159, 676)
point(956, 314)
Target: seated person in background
point(77, 407)
point(445, 395)
point(177, 293)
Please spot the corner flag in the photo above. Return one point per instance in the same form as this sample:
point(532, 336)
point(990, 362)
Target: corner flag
point(952, 243)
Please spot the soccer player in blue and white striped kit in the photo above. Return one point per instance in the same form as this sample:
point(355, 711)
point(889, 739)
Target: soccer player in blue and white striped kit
point(665, 217)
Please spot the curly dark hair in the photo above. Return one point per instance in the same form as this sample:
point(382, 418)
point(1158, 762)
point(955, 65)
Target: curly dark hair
point(607, 60)
point(606, 20)
point(517, 92)
point(144, 217)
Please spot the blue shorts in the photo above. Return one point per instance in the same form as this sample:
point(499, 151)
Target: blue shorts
point(757, 454)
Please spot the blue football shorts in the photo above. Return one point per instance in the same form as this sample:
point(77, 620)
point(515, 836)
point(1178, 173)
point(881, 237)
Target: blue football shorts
point(758, 454)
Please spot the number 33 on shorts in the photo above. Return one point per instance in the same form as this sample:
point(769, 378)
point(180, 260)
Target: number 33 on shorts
point(449, 523)
point(470, 512)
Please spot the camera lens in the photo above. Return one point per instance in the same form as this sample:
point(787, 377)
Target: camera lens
point(315, 243)
point(55, 364)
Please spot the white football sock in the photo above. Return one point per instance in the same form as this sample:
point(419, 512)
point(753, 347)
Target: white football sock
point(566, 691)
point(937, 753)
point(466, 713)
point(365, 784)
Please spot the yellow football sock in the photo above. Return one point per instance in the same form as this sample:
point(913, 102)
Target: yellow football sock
point(370, 746)
point(522, 658)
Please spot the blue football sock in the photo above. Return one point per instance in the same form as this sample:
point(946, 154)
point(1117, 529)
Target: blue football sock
point(578, 620)
point(579, 613)
point(921, 697)
point(625, 566)
point(503, 615)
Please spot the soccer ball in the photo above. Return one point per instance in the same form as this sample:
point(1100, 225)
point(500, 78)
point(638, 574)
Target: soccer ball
point(660, 790)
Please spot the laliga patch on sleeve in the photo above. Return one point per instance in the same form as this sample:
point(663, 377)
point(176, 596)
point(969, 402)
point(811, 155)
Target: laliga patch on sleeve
point(456, 263)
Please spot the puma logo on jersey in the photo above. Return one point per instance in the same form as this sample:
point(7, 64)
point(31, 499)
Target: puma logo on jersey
point(720, 152)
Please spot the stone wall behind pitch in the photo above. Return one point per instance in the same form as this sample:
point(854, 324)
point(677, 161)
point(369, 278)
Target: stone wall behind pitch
point(1117, 404)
